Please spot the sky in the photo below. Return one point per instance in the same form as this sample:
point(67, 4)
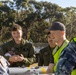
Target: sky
point(62, 3)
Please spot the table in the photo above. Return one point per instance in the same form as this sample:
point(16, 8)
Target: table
point(28, 71)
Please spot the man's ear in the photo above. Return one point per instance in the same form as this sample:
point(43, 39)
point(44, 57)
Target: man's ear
point(63, 32)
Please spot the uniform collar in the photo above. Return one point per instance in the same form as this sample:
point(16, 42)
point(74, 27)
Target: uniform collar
point(19, 45)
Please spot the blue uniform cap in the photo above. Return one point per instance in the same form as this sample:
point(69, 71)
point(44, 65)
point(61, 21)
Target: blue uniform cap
point(57, 26)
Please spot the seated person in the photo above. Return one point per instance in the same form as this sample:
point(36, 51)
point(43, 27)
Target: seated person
point(19, 52)
point(45, 54)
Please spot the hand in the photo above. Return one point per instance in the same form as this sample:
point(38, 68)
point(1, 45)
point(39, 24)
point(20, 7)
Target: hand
point(20, 58)
point(14, 58)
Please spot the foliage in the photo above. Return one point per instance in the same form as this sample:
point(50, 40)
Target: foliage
point(34, 17)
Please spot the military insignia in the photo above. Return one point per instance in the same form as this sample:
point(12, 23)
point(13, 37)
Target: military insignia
point(12, 48)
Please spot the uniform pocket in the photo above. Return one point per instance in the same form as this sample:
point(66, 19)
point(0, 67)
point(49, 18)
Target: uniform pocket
point(25, 53)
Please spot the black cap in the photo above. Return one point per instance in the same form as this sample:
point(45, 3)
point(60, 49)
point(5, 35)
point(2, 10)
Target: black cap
point(57, 26)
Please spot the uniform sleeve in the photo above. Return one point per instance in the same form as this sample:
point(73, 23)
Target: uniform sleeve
point(31, 56)
point(67, 60)
point(40, 59)
point(3, 51)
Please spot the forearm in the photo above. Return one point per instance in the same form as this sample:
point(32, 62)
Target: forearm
point(30, 60)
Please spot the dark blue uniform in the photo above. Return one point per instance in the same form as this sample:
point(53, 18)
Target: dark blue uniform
point(67, 61)
point(4, 66)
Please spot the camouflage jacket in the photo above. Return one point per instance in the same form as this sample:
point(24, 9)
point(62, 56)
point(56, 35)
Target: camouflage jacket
point(25, 48)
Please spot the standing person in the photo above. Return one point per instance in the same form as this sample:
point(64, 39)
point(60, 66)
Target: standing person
point(58, 33)
point(18, 52)
point(67, 62)
point(45, 54)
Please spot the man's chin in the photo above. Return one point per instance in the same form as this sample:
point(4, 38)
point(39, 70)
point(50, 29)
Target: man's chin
point(17, 39)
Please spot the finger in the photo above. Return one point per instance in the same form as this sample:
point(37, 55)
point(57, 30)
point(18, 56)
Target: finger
point(22, 55)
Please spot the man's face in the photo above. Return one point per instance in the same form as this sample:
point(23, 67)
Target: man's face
point(17, 35)
point(56, 35)
point(50, 41)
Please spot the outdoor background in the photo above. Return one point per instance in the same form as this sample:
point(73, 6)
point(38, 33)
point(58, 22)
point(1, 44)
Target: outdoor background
point(35, 16)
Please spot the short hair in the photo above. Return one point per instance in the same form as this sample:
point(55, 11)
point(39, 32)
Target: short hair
point(16, 27)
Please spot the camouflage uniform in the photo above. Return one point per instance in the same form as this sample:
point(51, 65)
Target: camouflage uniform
point(25, 48)
point(67, 61)
point(45, 56)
